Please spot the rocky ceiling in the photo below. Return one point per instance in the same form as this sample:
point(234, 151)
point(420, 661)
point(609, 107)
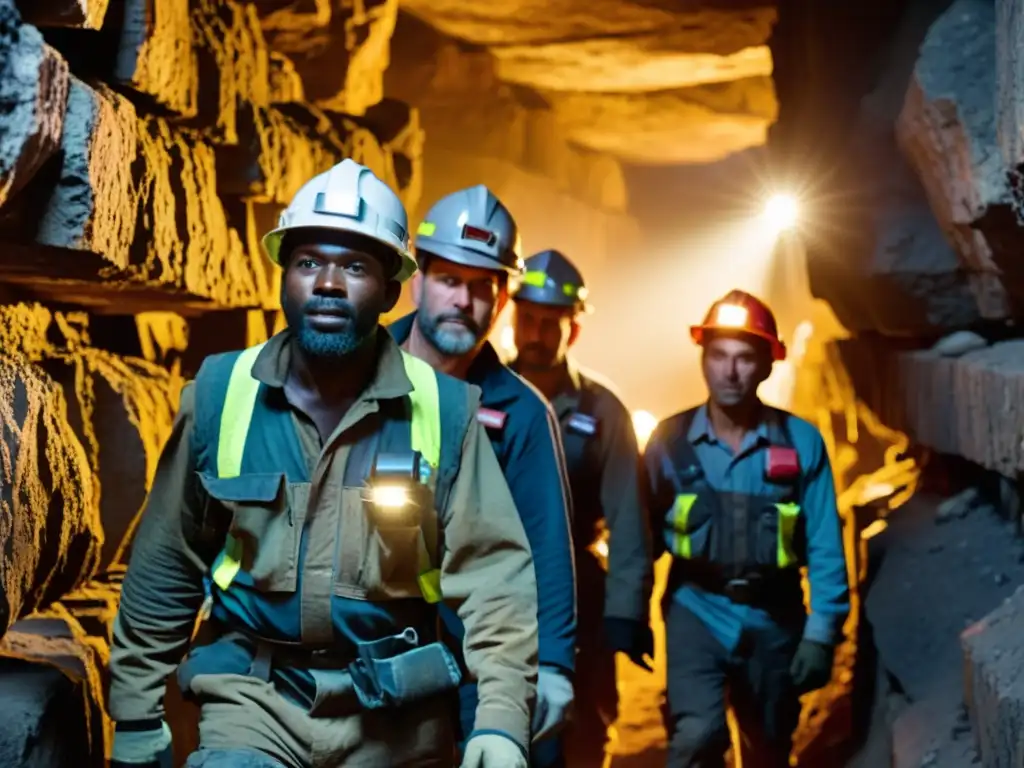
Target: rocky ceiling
point(646, 81)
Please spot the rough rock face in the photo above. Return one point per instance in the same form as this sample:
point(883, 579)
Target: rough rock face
point(88, 14)
point(49, 519)
point(33, 95)
point(947, 130)
point(621, 77)
point(994, 669)
point(155, 57)
point(979, 395)
point(1010, 91)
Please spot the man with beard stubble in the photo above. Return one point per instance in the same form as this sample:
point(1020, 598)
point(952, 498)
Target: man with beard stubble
point(603, 463)
point(468, 249)
point(742, 497)
point(325, 493)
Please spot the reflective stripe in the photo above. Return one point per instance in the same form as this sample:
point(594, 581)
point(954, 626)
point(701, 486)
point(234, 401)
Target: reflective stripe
point(535, 278)
point(426, 409)
point(788, 515)
point(426, 438)
point(427, 228)
point(235, 418)
point(680, 516)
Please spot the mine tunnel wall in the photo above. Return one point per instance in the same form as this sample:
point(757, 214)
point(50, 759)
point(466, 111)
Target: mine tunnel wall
point(145, 146)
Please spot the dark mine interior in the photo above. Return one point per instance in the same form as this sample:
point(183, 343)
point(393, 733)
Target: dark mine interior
point(147, 146)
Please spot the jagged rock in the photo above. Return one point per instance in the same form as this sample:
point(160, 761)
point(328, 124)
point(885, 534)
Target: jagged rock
point(183, 240)
point(155, 56)
point(120, 408)
point(33, 97)
point(958, 343)
point(285, 82)
point(397, 126)
point(1010, 91)
point(50, 673)
point(49, 516)
point(278, 151)
point(969, 406)
point(467, 111)
point(340, 49)
point(994, 682)
point(88, 14)
point(92, 207)
point(947, 130)
point(629, 77)
point(233, 65)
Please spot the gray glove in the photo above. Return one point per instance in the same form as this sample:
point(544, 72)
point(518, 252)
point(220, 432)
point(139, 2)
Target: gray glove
point(490, 750)
point(554, 702)
point(151, 748)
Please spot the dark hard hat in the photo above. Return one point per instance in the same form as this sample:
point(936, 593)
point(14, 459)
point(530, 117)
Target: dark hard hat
point(551, 279)
point(472, 227)
point(740, 313)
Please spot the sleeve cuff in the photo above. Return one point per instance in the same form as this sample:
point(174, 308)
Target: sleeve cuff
point(512, 724)
point(503, 734)
point(822, 628)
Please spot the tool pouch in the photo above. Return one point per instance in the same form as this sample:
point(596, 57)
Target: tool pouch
point(395, 671)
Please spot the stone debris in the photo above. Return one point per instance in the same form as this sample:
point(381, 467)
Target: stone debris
point(959, 343)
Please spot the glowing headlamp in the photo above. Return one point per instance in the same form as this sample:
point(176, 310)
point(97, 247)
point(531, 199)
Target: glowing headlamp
point(731, 316)
point(393, 486)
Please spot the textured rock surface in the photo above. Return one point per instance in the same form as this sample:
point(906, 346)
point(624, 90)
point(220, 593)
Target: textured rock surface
point(340, 48)
point(644, 82)
point(947, 129)
point(979, 396)
point(33, 96)
point(1010, 93)
point(49, 518)
point(155, 57)
point(53, 694)
point(91, 208)
point(88, 14)
point(995, 683)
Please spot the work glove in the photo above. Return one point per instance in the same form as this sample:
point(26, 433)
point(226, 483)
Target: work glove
point(554, 700)
point(491, 750)
point(631, 637)
point(812, 666)
point(147, 748)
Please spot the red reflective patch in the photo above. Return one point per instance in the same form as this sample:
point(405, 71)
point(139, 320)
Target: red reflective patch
point(782, 463)
point(492, 419)
point(470, 232)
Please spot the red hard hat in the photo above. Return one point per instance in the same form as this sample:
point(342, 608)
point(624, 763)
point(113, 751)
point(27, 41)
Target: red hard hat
point(739, 312)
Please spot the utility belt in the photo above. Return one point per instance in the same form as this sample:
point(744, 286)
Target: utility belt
point(387, 673)
point(772, 589)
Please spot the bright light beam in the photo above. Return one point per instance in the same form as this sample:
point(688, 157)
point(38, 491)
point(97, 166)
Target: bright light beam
point(781, 212)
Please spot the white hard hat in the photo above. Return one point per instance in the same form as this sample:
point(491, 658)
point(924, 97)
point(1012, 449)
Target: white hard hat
point(348, 198)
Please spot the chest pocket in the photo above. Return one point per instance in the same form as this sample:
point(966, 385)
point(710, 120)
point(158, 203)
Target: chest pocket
point(261, 548)
point(380, 558)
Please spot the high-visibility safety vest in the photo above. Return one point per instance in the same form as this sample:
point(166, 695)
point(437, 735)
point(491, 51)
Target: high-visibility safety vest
point(229, 453)
point(737, 532)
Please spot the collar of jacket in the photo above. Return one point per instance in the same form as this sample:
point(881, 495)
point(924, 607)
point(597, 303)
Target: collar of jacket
point(389, 380)
point(501, 386)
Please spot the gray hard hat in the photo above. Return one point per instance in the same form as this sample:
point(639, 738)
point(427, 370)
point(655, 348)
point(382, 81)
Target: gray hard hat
point(551, 279)
point(471, 227)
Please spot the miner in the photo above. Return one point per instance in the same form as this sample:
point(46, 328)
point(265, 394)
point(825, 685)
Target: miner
point(332, 492)
point(602, 459)
point(468, 249)
point(743, 497)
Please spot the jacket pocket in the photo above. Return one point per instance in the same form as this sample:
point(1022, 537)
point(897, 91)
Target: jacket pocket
point(262, 538)
point(387, 553)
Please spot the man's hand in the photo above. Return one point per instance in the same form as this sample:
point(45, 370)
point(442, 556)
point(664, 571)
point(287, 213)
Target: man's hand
point(491, 750)
point(812, 666)
point(554, 698)
point(148, 747)
point(631, 637)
